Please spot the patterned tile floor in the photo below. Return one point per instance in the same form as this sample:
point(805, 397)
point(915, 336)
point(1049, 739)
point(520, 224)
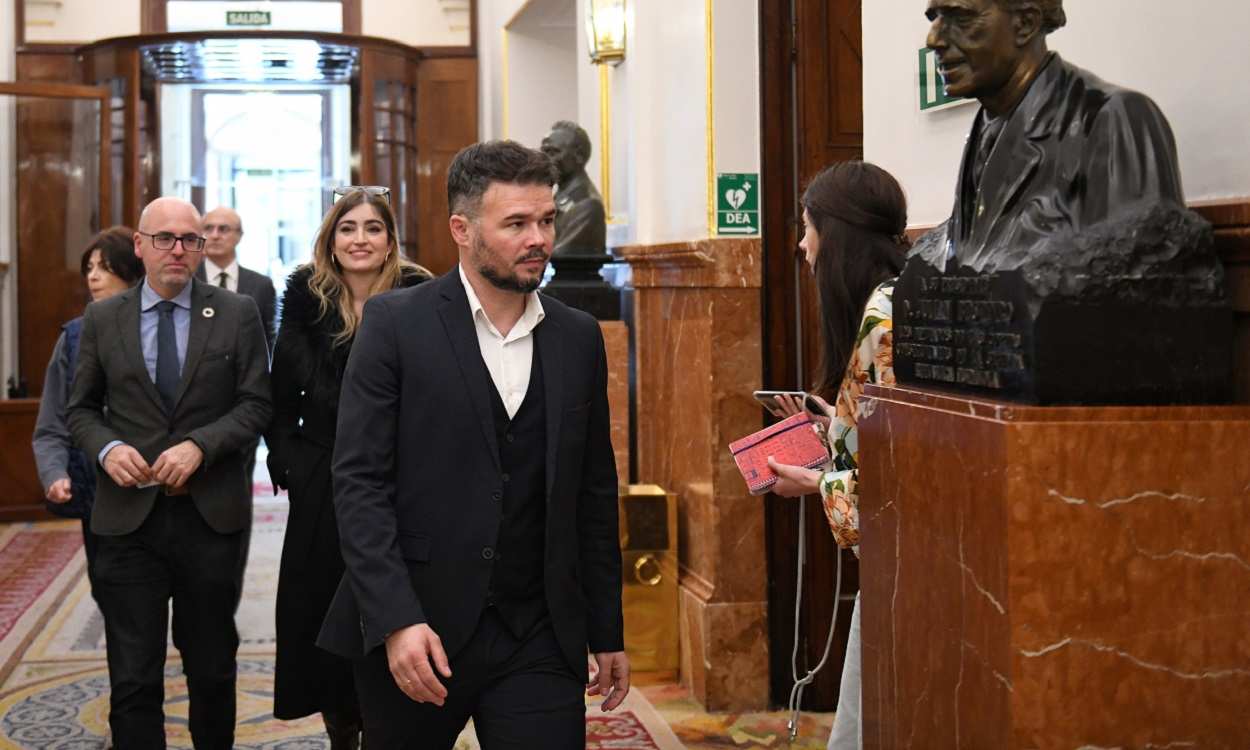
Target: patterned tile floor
point(54, 683)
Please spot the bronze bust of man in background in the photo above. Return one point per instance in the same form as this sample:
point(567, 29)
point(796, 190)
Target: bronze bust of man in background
point(581, 226)
point(1069, 257)
point(1054, 149)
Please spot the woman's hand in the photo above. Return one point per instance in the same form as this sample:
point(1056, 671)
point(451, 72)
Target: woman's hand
point(59, 491)
point(794, 481)
point(785, 406)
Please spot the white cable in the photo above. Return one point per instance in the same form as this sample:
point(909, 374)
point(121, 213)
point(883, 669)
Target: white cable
point(800, 684)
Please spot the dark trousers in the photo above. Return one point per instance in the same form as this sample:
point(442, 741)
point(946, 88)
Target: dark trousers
point(246, 537)
point(520, 693)
point(90, 542)
point(173, 554)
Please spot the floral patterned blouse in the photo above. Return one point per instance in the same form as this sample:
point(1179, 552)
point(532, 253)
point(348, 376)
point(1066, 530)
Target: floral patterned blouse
point(872, 361)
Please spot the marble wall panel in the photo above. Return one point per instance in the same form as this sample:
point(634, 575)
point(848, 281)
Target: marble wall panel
point(616, 345)
point(698, 358)
point(1055, 577)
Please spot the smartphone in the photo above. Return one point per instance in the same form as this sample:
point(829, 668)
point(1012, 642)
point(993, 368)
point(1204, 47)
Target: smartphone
point(767, 398)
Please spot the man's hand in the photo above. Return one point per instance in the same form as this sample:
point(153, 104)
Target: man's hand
point(176, 465)
point(409, 652)
point(126, 466)
point(612, 680)
point(59, 491)
point(794, 481)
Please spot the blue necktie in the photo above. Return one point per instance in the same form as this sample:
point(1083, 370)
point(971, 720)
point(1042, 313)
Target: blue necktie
point(167, 370)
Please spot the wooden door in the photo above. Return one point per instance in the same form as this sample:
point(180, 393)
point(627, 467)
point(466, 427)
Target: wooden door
point(63, 198)
point(447, 103)
point(812, 89)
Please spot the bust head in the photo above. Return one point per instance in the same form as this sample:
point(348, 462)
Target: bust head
point(568, 147)
point(983, 46)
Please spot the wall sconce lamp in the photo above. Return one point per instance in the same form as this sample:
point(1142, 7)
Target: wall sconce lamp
point(605, 31)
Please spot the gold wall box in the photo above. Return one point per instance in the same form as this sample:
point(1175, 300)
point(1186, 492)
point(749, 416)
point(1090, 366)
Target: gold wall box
point(648, 525)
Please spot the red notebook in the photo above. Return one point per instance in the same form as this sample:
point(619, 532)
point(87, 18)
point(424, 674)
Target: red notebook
point(791, 441)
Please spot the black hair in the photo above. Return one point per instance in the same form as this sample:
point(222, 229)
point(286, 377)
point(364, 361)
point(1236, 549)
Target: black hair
point(476, 167)
point(117, 254)
point(860, 215)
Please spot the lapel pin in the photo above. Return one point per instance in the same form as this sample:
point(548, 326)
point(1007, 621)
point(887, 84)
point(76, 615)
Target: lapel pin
point(209, 312)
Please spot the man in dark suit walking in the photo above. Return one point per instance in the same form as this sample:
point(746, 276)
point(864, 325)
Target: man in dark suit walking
point(223, 228)
point(475, 488)
point(183, 369)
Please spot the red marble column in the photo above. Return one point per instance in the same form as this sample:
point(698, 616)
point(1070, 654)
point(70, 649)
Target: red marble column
point(698, 358)
point(616, 346)
point(1054, 577)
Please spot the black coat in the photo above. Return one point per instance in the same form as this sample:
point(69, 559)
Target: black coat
point(307, 369)
point(257, 286)
point(417, 477)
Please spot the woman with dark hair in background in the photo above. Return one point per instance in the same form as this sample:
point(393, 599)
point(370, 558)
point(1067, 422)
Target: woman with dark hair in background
point(355, 256)
point(854, 217)
point(108, 266)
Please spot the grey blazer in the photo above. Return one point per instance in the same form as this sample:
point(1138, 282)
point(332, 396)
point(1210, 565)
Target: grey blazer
point(260, 288)
point(223, 404)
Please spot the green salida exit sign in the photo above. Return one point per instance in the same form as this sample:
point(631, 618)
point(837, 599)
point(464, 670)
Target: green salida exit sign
point(248, 18)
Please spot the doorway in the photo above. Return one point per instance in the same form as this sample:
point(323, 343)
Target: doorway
point(811, 80)
point(272, 153)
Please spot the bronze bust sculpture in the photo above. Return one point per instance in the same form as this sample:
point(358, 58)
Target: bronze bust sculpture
point(1069, 255)
point(581, 228)
point(581, 225)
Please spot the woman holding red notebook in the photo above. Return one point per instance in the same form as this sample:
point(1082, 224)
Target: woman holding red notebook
point(854, 216)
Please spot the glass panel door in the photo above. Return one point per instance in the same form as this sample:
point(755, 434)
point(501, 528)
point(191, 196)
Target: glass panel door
point(61, 170)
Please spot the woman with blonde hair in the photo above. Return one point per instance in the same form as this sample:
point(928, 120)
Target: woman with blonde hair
point(355, 256)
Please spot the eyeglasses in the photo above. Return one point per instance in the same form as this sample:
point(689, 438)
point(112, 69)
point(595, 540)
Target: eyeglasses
point(164, 241)
point(378, 190)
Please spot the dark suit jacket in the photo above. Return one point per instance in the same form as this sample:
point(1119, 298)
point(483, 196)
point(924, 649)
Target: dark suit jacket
point(417, 477)
point(1075, 150)
point(222, 404)
point(260, 288)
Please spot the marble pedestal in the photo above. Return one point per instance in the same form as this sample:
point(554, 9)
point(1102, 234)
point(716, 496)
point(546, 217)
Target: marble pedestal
point(698, 358)
point(1074, 577)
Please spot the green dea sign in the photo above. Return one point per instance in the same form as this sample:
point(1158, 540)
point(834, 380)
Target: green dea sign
point(932, 94)
point(737, 203)
point(248, 18)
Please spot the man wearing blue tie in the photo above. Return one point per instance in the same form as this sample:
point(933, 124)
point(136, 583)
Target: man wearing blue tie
point(183, 369)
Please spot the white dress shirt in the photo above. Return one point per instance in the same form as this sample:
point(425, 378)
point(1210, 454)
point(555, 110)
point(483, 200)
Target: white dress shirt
point(509, 359)
point(212, 273)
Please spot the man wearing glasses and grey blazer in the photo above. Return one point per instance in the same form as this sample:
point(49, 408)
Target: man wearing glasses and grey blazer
point(183, 369)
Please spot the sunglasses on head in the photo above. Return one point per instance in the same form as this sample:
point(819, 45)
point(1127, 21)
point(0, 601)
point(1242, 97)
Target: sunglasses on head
point(379, 190)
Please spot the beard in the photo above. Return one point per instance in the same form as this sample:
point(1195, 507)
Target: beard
point(509, 282)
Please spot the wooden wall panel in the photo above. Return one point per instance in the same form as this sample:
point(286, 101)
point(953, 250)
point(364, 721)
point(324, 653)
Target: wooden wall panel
point(446, 123)
point(817, 54)
point(21, 497)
